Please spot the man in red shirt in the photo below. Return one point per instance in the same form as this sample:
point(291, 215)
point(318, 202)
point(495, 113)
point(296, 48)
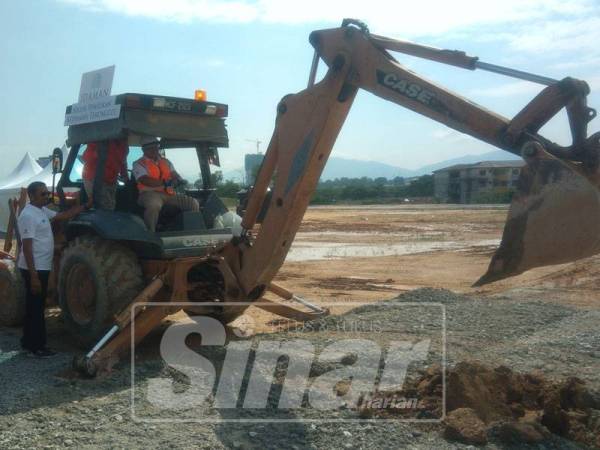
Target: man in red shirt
point(115, 165)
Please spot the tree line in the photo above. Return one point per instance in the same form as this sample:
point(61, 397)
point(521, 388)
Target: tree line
point(375, 190)
point(365, 189)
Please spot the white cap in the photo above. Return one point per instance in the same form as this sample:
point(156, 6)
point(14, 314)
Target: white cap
point(149, 140)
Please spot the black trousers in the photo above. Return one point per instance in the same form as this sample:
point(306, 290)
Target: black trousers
point(34, 325)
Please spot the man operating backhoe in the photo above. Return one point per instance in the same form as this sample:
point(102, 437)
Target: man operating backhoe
point(156, 178)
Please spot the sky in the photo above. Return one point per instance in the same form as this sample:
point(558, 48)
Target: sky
point(250, 53)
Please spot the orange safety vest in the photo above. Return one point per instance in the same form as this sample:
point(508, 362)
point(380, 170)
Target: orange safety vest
point(157, 171)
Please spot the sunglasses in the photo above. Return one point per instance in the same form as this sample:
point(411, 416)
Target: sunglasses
point(45, 194)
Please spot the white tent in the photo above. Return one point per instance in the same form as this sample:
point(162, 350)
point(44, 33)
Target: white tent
point(11, 187)
point(26, 169)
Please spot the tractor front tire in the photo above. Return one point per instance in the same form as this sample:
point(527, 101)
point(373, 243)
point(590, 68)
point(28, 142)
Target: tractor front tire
point(12, 295)
point(97, 279)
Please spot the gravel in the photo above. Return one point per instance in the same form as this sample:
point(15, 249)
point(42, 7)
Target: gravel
point(39, 409)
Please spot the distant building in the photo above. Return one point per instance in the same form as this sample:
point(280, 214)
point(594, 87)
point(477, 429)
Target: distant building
point(465, 183)
point(252, 162)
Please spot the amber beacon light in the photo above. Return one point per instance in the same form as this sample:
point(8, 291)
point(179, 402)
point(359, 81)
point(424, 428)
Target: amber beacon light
point(200, 95)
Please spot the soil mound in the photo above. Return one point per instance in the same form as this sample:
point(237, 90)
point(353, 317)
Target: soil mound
point(484, 402)
point(583, 274)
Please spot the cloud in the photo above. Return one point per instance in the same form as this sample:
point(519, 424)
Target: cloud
point(562, 33)
point(579, 34)
point(427, 17)
point(594, 82)
point(181, 11)
point(585, 61)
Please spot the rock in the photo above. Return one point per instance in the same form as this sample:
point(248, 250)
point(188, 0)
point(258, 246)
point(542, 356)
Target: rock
point(342, 387)
point(243, 327)
point(463, 425)
point(349, 359)
point(252, 433)
point(320, 367)
point(517, 409)
point(522, 432)
point(554, 417)
point(119, 418)
point(68, 442)
point(427, 385)
point(474, 386)
point(347, 433)
point(574, 395)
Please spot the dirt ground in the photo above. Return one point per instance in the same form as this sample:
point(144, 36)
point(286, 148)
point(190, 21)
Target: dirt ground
point(544, 322)
point(373, 253)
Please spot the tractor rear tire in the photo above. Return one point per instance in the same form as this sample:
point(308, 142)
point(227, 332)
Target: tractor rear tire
point(97, 279)
point(12, 295)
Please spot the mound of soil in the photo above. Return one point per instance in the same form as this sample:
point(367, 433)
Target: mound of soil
point(516, 408)
point(584, 274)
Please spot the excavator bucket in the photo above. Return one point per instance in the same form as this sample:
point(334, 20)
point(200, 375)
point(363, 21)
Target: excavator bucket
point(554, 217)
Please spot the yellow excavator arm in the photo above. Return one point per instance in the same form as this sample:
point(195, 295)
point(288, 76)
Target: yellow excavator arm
point(308, 123)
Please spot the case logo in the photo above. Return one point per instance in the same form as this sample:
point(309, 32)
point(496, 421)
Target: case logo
point(406, 88)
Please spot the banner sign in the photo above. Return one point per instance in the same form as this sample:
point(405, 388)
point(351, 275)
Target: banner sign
point(95, 102)
point(93, 111)
point(96, 84)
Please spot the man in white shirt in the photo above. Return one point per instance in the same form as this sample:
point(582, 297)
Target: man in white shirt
point(156, 178)
point(35, 262)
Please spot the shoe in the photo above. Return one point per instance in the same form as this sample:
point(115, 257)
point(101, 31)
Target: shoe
point(43, 353)
point(25, 351)
point(24, 347)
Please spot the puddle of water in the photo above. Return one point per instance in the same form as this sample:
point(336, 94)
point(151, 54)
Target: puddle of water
point(314, 251)
point(415, 231)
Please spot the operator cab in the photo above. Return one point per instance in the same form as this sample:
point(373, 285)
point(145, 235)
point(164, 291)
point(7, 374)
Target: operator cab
point(191, 133)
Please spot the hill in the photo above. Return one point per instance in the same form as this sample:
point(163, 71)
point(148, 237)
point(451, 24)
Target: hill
point(496, 155)
point(354, 168)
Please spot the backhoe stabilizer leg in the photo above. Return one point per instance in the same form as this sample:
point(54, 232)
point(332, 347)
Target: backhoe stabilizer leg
point(315, 311)
point(290, 296)
point(107, 350)
point(104, 360)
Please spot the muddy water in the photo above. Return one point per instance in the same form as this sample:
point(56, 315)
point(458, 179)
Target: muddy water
point(314, 251)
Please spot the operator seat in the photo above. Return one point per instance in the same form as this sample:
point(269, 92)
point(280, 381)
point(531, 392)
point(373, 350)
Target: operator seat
point(167, 219)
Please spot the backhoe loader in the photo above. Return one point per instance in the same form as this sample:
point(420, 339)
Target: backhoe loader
point(554, 216)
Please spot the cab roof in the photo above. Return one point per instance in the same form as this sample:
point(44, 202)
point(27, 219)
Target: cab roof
point(170, 118)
